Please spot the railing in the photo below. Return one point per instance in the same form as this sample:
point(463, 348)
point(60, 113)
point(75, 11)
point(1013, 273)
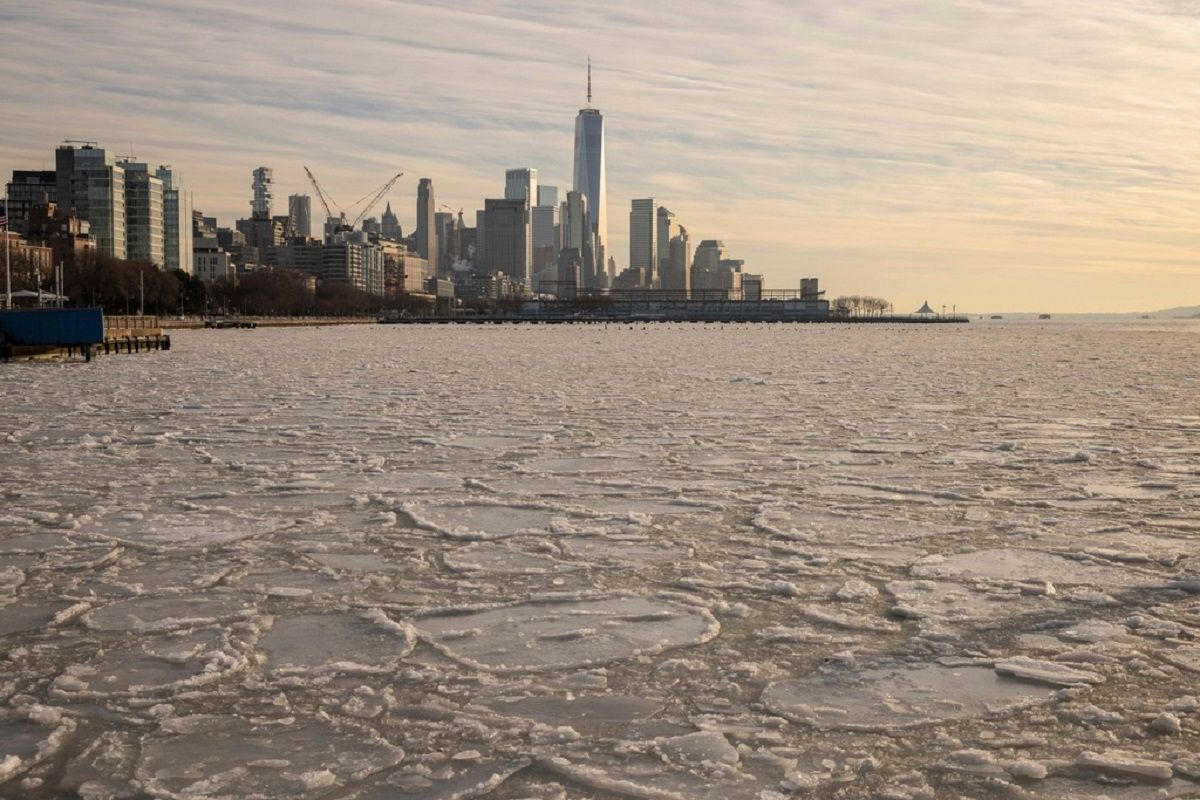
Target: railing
point(130, 322)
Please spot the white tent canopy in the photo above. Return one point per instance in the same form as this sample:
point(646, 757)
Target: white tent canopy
point(25, 294)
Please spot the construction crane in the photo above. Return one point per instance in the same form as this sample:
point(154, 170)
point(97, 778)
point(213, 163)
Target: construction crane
point(325, 199)
point(329, 203)
point(375, 198)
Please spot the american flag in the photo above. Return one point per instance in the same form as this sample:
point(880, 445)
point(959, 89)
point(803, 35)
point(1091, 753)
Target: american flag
point(3, 220)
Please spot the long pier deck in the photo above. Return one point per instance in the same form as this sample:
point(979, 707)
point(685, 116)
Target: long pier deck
point(540, 319)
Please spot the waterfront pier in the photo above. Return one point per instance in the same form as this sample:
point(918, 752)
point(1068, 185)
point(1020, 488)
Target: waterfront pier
point(665, 306)
point(71, 332)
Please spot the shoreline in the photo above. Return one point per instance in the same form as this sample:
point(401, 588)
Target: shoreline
point(168, 323)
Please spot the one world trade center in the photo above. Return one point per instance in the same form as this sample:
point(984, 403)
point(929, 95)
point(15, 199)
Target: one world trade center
point(590, 182)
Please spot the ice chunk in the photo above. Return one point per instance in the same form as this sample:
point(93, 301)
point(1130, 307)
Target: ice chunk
point(151, 665)
point(29, 736)
point(554, 633)
point(456, 781)
point(490, 557)
point(1185, 656)
point(472, 521)
point(629, 550)
point(1121, 763)
point(947, 602)
point(898, 695)
point(698, 749)
point(166, 613)
point(585, 712)
point(1046, 672)
point(856, 590)
point(213, 756)
point(1018, 564)
point(343, 641)
point(29, 615)
point(182, 531)
point(11, 579)
point(1166, 724)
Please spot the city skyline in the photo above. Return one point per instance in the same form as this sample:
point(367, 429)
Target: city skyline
point(907, 155)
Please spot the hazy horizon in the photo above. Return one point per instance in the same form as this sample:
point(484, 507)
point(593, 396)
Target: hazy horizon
point(974, 154)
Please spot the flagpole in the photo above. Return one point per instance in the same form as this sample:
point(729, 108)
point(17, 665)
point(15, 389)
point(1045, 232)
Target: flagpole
point(7, 265)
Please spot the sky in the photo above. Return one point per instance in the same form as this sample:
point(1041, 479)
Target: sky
point(982, 155)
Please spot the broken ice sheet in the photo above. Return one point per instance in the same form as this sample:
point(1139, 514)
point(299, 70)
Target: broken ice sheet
point(29, 615)
point(168, 612)
point(499, 559)
point(333, 446)
point(180, 531)
point(344, 641)
point(898, 695)
point(28, 736)
point(154, 664)
point(555, 633)
point(451, 780)
point(608, 713)
point(1023, 565)
point(946, 602)
point(701, 764)
point(223, 756)
point(630, 550)
point(490, 520)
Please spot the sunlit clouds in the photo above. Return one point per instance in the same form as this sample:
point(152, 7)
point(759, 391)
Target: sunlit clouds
point(992, 155)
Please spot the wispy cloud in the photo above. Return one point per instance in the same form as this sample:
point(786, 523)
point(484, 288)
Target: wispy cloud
point(983, 153)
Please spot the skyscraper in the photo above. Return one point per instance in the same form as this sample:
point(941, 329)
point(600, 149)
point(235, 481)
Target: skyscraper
point(506, 239)
point(443, 226)
point(575, 233)
point(389, 224)
point(29, 188)
point(300, 212)
point(545, 227)
point(676, 276)
point(546, 222)
point(668, 229)
point(521, 184)
point(590, 174)
point(177, 221)
point(260, 205)
point(92, 184)
point(709, 254)
point(643, 234)
point(426, 233)
point(143, 214)
point(574, 219)
point(480, 260)
point(714, 274)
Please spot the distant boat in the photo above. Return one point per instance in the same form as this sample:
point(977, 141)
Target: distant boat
point(228, 322)
point(1043, 316)
point(997, 316)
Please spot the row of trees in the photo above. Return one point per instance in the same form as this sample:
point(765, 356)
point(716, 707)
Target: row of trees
point(116, 285)
point(121, 286)
point(288, 292)
point(860, 305)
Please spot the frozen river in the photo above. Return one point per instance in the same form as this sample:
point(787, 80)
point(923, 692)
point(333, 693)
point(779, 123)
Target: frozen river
point(599, 562)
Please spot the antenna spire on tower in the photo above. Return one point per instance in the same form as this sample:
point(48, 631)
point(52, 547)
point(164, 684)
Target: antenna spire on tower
point(589, 81)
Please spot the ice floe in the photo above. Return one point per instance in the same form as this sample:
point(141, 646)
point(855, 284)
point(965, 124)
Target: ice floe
point(900, 695)
point(945, 563)
point(555, 633)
